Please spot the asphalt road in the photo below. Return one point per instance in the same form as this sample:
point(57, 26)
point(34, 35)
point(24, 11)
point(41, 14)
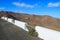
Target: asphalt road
point(9, 31)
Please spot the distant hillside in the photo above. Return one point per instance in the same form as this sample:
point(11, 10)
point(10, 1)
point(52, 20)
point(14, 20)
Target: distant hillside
point(33, 20)
point(9, 31)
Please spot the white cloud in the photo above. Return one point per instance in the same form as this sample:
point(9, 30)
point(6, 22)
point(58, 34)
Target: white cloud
point(57, 4)
point(23, 5)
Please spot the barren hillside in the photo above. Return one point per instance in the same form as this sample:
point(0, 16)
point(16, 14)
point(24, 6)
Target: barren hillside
point(33, 20)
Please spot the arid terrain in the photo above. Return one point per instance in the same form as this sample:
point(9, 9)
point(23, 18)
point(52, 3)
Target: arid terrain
point(33, 20)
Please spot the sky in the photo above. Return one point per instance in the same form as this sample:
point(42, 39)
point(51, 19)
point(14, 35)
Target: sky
point(37, 7)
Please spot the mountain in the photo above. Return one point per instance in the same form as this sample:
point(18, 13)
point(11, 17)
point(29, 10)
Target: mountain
point(33, 20)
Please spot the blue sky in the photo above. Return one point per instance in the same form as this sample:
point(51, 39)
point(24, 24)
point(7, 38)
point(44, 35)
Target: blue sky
point(38, 7)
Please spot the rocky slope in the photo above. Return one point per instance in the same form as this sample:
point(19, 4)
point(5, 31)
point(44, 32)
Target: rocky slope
point(33, 20)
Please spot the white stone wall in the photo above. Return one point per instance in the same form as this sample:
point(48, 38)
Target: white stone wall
point(23, 25)
point(47, 34)
point(20, 24)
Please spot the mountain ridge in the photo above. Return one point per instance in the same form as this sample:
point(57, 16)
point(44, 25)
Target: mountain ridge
point(33, 20)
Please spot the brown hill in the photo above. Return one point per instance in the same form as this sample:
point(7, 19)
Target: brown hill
point(33, 20)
